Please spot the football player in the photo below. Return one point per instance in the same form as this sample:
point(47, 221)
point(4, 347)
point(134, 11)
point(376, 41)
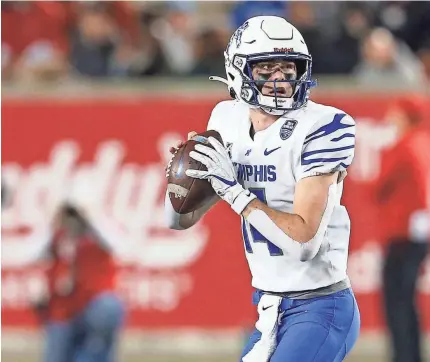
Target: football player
point(282, 170)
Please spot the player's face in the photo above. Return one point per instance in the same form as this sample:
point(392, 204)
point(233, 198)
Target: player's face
point(278, 70)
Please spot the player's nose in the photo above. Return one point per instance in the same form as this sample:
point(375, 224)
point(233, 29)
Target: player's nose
point(278, 75)
point(279, 78)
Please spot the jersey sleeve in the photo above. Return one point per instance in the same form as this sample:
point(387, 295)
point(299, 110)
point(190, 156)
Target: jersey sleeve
point(212, 122)
point(219, 113)
point(328, 147)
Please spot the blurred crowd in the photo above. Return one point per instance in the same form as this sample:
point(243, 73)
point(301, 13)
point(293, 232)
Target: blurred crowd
point(376, 41)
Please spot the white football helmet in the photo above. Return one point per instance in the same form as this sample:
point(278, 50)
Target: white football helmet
point(264, 38)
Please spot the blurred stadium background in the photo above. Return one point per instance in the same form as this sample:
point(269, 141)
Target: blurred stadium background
point(98, 90)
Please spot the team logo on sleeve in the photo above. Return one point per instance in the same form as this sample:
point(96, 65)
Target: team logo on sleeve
point(287, 129)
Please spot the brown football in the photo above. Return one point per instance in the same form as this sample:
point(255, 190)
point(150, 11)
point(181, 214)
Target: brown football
point(188, 194)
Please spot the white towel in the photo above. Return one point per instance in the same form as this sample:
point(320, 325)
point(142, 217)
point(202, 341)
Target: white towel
point(267, 324)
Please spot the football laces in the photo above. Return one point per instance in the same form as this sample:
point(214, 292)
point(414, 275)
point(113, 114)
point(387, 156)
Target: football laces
point(170, 163)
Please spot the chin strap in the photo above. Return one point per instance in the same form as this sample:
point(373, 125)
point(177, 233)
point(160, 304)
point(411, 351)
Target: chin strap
point(219, 79)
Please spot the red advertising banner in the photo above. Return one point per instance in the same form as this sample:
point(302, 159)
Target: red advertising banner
point(193, 278)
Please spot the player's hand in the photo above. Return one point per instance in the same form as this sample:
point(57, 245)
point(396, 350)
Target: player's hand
point(173, 149)
point(178, 144)
point(220, 173)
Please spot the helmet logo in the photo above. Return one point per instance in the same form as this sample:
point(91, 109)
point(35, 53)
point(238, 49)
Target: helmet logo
point(283, 50)
point(238, 34)
point(238, 62)
point(245, 93)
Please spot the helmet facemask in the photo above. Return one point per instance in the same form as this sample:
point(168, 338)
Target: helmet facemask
point(275, 96)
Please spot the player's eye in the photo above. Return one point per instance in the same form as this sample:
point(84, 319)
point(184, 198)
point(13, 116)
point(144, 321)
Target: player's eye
point(288, 66)
point(290, 76)
point(272, 66)
point(263, 66)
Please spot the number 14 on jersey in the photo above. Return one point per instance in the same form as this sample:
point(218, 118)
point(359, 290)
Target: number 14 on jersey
point(254, 236)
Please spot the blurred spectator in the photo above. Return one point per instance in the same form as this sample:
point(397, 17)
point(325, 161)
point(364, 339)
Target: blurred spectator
point(148, 59)
point(80, 311)
point(175, 33)
point(94, 42)
point(401, 193)
point(210, 47)
point(105, 39)
point(355, 24)
point(34, 40)
point(407, 20)
point(303, 16)
point(387, 61)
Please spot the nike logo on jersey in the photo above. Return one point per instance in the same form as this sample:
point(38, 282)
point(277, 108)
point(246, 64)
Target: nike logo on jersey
point(268, 152)
point(267, 307)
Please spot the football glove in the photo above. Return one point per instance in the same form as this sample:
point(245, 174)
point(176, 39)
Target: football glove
point(221, 174)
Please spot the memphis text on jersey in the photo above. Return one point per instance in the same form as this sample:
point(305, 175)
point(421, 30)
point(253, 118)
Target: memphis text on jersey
point(256, 173)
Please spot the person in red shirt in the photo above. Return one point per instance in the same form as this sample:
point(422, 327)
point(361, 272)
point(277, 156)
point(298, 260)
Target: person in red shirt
point(81, 312)
point(34, 40)
point(403, 194)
